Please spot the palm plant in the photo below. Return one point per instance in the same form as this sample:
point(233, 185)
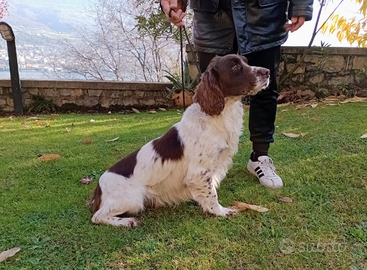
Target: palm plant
point(176, 79)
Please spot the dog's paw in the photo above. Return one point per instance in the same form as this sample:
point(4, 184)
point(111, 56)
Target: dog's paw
point(230, 211)
point(226, 212)
point(127, 222)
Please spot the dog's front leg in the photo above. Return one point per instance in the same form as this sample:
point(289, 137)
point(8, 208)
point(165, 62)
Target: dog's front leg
point(202, 185)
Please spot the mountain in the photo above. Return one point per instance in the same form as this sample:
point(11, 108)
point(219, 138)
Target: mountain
point(40, 27)
point(58, 16)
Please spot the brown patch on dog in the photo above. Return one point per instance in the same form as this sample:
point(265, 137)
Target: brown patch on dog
point(169, 146)
point(209, 94)
point(96, 200)
point(125, 166)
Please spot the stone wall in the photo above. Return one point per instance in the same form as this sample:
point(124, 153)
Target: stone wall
point(325, 71)
point(90, 93)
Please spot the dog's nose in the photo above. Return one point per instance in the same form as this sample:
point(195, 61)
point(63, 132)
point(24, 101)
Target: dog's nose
point(263, 72)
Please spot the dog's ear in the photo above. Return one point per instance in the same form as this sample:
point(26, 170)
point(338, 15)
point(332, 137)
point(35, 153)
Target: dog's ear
point(208, 93)
point(245, 59)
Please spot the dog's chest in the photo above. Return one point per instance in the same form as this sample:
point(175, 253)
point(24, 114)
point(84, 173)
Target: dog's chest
point(212, 137)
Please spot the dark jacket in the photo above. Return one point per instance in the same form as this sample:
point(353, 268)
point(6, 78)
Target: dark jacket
point(257, 24)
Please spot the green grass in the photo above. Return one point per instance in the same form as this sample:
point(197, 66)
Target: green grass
point(43, 204)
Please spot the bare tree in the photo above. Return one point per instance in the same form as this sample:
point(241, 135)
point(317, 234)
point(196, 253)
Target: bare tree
point(129, 41)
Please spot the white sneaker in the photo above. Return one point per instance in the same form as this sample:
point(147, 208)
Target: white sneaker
point(265, 171)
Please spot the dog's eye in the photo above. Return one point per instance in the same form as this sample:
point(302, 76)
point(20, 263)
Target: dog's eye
point(236, 66)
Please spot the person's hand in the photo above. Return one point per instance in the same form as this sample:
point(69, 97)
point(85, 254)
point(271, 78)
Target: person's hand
point(173, 11)
point(296, 23)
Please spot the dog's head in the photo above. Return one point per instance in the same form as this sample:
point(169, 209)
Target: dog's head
point(228, 76)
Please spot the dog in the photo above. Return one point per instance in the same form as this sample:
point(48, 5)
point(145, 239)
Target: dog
point(192, 158)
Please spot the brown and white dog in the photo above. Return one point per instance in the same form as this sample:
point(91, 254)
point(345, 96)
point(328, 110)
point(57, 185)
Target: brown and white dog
point(192, 158)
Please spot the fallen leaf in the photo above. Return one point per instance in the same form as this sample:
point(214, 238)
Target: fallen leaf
point(243, 206)
point(284, 110)
point(331, 98)
point(87, 141)
point(8, 253)
point(112, 140)
point(109, 112)
point(135, 110)
point(35, 118)
point(303, 114)
point(285, 199)
point(315, 119)
point(301, 106)
point(49, 157)
point(364, 136)
point(291, 135)
point(68, 129)
point(23, 122)
point(86, 180)
point(354, 99)
point(284, 104)
point(314, 105)
point(48, 125)
point(331, 104)
point(2, 149)
point(163, 109)
point(92, 120)
point(152, 112)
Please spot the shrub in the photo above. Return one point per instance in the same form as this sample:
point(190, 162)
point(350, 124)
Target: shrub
point(39, 104)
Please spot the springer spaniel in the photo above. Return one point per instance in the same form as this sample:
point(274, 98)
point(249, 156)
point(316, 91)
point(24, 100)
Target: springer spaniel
point(192, 158)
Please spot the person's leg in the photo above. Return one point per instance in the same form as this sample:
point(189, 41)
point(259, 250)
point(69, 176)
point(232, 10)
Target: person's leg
point(263, 105)
point(263, 108)
point(204, 60)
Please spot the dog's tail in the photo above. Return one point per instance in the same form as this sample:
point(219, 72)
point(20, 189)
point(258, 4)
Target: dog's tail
point(95, 202)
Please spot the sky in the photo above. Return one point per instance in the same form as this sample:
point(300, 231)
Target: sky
point(302, 37)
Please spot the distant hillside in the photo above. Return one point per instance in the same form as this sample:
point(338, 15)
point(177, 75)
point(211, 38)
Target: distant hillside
point(56, 16)
point(43, 21)
point(40, 26)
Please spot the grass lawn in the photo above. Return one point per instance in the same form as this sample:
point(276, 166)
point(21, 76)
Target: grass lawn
point(43, 204)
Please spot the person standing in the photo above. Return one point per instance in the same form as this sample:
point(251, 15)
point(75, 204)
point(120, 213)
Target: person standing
point(255, 29)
